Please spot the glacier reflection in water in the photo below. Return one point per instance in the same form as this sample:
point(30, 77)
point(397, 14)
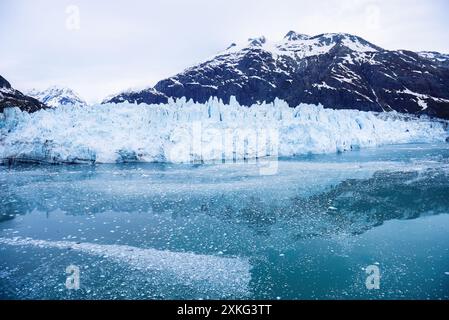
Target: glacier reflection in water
point(153, 231)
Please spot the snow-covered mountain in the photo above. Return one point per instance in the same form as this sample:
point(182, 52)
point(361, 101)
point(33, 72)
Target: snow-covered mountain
point(10, 97)
point(57, 96)
point(336, 70)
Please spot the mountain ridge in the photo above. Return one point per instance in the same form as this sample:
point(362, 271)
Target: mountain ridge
point(337, 70)
point(55, 96)
point(10, 97)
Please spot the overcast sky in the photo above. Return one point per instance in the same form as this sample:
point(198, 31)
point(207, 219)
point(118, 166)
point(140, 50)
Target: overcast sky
point(99, 47)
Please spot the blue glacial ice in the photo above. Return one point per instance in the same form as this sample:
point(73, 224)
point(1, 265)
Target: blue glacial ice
point(184, 131)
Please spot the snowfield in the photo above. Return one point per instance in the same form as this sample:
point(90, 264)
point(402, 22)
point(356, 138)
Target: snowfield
point(183, 131)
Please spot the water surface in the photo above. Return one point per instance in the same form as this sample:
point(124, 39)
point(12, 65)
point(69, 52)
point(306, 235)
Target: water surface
point(161, 231)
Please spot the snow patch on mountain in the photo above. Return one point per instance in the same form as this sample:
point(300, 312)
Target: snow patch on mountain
point(434, 56)
point(422, 99)
point(57, 96)
point(183, 131)
point(301, 46)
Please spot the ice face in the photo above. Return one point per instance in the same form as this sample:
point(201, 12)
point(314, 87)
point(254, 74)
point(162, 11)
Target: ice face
point(183, 131)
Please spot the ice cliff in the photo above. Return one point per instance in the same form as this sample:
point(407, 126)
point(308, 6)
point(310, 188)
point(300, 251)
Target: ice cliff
point(183, 131)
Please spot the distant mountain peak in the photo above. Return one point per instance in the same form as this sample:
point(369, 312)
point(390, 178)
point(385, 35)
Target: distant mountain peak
point(294, 36)
point(352, 42)
point(56, 96)
point(257, 42)
point(296, 45)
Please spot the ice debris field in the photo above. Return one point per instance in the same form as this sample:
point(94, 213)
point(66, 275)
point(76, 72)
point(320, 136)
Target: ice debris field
point(184, 131)
point(228, 276)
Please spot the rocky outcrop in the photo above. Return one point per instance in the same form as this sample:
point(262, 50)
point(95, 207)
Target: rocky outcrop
point(10, 97)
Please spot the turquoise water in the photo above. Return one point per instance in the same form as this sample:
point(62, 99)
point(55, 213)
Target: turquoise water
point(159, 231)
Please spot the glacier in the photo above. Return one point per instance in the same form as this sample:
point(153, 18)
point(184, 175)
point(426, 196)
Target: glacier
point(182, 131)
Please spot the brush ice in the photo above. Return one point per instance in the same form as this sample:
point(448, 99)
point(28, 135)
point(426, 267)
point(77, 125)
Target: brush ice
point(229, 276)
point(183, 131)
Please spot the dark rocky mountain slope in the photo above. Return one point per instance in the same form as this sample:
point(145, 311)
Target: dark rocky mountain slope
point(339, 71)
point(10, 97)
